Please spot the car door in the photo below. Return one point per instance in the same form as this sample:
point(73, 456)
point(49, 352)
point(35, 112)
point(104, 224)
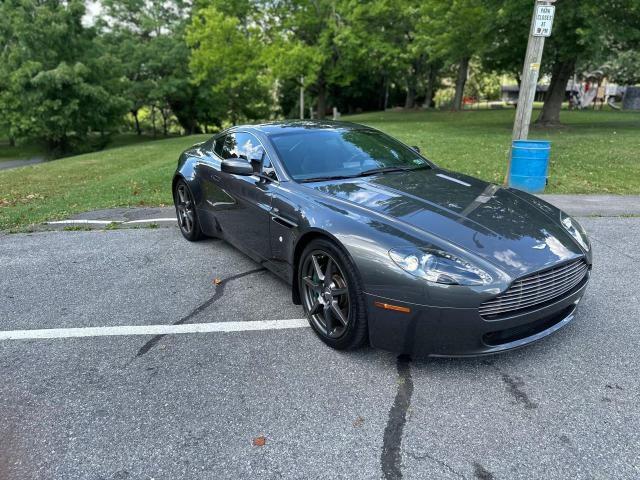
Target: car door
point(241, 204)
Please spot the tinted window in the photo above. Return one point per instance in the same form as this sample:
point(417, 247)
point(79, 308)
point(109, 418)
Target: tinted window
point(242, 146)
point(326, 153)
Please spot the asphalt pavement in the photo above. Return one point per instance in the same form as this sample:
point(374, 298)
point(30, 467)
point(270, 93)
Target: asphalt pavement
point(278, 403)
point(6, 164)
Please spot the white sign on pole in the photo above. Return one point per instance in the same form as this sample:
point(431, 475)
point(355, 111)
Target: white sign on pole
point(543, 21)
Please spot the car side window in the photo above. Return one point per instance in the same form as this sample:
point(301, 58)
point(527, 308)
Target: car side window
point(243, 146)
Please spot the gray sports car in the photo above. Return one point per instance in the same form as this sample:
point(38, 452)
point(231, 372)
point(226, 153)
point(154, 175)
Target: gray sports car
point(382, 246)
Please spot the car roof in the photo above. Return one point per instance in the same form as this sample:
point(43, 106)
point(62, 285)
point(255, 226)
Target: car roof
point(291, 126)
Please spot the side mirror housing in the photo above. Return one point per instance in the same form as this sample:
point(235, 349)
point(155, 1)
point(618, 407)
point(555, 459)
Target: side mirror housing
point(236, 167)
point(416, 148)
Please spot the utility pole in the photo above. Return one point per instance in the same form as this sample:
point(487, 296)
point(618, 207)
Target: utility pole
point(302, 98)
point(541, 23)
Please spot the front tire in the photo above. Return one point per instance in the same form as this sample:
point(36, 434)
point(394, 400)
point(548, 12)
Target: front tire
point(332, 295)
point(186, 212)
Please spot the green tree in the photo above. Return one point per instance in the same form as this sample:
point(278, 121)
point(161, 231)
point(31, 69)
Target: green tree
point(383, 34)
point(148, 36)
point(458, 30)
point(131, 54)
point(228, 56)
point(583, 31)
point(312, 38)
point(624, 67)
point(55, 83)
point(507, 37)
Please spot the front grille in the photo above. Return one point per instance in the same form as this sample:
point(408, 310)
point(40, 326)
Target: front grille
point(536, 290)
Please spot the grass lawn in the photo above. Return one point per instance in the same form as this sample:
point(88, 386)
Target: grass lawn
point(595, 152)
point(32, 149)
point(135, 175)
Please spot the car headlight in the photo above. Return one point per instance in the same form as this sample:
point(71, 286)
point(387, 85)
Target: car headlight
point(575, 229)
point(438, 266)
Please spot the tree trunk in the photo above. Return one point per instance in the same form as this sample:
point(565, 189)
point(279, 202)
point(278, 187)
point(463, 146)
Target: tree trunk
point(165, 115)
point(153, 120)
point(461, 80)
point(412, 81)
point(58, 147)
point(560, 75)
point(186, 121)
point(185, 112)
point(384, 93)
point(432, 77)
point(135, 117)
point(12, 141)
point(322, 97)
point(232, 109)
point(410, 99)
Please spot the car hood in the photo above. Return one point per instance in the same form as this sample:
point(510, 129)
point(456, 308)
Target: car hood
point(482, 218)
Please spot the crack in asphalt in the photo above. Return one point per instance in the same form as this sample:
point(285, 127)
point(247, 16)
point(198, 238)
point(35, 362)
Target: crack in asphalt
point(443, 464)
point(391, 459)
point(203, 306)
point(482, 473)
point(514, 387)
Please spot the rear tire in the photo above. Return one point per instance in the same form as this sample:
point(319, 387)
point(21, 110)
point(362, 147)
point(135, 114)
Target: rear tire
point(186, 212)
point(332, 295)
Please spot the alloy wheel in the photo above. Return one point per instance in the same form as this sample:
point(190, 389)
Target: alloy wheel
point(325, 294)
point(185, 208)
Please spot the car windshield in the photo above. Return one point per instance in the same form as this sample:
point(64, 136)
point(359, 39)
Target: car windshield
point(326, 154)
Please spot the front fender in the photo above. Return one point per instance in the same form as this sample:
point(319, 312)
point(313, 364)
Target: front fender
point(367, 239)
point(366, 242)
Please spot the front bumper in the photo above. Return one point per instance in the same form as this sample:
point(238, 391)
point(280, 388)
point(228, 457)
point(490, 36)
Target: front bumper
point(436, 331)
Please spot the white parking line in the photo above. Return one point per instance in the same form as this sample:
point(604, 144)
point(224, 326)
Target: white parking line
point(83, 221)
point(153, 329)
point(153, 220)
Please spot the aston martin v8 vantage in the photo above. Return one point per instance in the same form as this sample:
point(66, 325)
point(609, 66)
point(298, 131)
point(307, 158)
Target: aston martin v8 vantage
point(382, 246)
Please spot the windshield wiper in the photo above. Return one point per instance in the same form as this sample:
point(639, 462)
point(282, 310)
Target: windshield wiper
point(365, 173)
point(373, 171)
point(324, 179)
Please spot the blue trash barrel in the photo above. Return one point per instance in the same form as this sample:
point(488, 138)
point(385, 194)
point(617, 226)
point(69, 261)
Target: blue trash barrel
point(529, 165)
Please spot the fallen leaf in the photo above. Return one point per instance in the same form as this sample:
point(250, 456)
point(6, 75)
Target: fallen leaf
point(259, 441)
point(217, 281)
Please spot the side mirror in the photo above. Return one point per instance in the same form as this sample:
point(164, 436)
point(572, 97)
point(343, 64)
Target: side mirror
point(237, 167)
point(416, 148)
